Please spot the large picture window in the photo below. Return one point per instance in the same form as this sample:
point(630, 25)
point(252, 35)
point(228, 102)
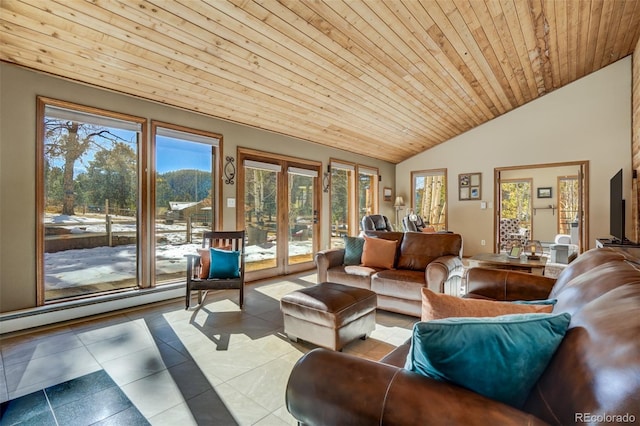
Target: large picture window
point(89, 201)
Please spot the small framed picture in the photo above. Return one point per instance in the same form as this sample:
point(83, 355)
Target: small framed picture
point(386, 193)
point(515, 252)
point(470, 186)
point(464, 193)
point(544, 192)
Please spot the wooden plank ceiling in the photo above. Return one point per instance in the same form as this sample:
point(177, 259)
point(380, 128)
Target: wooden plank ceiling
point(387, 79)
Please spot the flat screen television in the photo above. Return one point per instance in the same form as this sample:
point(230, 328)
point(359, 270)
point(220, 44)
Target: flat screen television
point(616, 215)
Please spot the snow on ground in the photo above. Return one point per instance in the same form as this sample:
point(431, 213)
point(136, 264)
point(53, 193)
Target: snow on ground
point(77, 267)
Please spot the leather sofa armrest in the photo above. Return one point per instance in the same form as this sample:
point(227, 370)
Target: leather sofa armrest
point(501, 284)
point(442, 269)
point(326, 259)
point(334, 388)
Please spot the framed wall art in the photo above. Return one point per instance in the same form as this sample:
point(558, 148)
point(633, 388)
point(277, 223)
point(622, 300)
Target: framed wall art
point(386, 194)
point(470, 186)
point(544, 192)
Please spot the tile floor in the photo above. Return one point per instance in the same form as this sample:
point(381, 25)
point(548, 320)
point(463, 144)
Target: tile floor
point(216, 365)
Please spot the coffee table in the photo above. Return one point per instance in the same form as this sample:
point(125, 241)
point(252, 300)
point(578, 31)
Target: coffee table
point(502, 261)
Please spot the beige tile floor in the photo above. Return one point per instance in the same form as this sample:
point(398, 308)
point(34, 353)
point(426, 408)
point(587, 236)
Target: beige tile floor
point(213, 365)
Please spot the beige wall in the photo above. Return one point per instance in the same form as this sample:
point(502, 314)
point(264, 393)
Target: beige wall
point(589, 119)
point(19, 88)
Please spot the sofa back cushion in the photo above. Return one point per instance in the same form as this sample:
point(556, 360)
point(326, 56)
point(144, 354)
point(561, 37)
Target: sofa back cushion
point(418, 249)
point(379, 253)
point(595, 370)
point(385, 235)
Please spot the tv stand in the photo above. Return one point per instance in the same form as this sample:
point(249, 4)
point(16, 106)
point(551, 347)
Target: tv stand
point(615, 242)
point(626, 245)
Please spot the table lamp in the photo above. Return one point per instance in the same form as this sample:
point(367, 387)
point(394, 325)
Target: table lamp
point(533, 249)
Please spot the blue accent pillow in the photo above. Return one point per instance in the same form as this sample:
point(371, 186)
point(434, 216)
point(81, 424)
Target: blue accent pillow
point(224, 264)
point(501, 357)
point(353, 250)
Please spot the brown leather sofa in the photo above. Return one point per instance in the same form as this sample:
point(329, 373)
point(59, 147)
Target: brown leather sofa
point(593, 378)
point(423, 260)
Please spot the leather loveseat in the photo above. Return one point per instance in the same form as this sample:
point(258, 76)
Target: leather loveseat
point(422, 260)
point(593, 377)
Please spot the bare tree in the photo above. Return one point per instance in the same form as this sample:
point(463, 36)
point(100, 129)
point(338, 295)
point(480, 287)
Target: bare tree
point(69, 141)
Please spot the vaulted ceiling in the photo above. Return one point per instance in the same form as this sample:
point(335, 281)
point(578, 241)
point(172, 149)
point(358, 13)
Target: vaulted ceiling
point(386, 79)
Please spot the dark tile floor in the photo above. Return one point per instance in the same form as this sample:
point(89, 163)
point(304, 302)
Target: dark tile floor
point(214, 365)
point(93, 399)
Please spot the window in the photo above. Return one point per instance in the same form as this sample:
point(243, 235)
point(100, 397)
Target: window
point(515, 199)
point(89, 203)
point(568, 203)
point(429, 189)
point(343, 214)
point(185, 195)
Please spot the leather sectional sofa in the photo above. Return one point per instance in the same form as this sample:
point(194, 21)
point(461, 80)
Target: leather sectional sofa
point(593, 377)
point(422, 260)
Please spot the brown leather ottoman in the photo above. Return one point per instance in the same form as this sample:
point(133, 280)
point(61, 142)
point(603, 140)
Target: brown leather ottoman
point(329, 315)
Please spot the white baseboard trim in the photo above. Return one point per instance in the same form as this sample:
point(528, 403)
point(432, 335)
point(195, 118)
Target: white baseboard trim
point(65, 311)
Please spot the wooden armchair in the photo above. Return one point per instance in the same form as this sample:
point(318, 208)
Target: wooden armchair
point(218, 266)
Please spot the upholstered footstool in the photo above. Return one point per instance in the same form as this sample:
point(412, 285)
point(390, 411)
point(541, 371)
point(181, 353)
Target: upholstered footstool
point(329, 315)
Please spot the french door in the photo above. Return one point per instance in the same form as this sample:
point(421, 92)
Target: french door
point(278, 205)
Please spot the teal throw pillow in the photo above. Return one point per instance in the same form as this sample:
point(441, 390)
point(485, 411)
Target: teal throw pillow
point(224, 264)
point(500, 357)
point(353, 250)
point(537, 302)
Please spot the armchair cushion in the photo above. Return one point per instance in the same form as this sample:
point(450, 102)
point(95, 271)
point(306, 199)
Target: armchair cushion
point(353, 250)
point(205, 260)
point(224, 264)
point(439, 306)
point(501, 358)
point(379, 253)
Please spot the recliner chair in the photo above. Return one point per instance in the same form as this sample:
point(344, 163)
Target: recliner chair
point(376, 222)
point(414, 223)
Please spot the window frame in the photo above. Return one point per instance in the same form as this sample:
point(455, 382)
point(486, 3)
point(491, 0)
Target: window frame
point(142, 166)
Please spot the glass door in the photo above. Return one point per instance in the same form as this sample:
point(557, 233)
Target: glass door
point(278, 206)
point(260, 214)
point(303, 215)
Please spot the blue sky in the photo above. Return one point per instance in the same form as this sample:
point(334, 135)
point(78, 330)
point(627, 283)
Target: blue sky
point(173, 155)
